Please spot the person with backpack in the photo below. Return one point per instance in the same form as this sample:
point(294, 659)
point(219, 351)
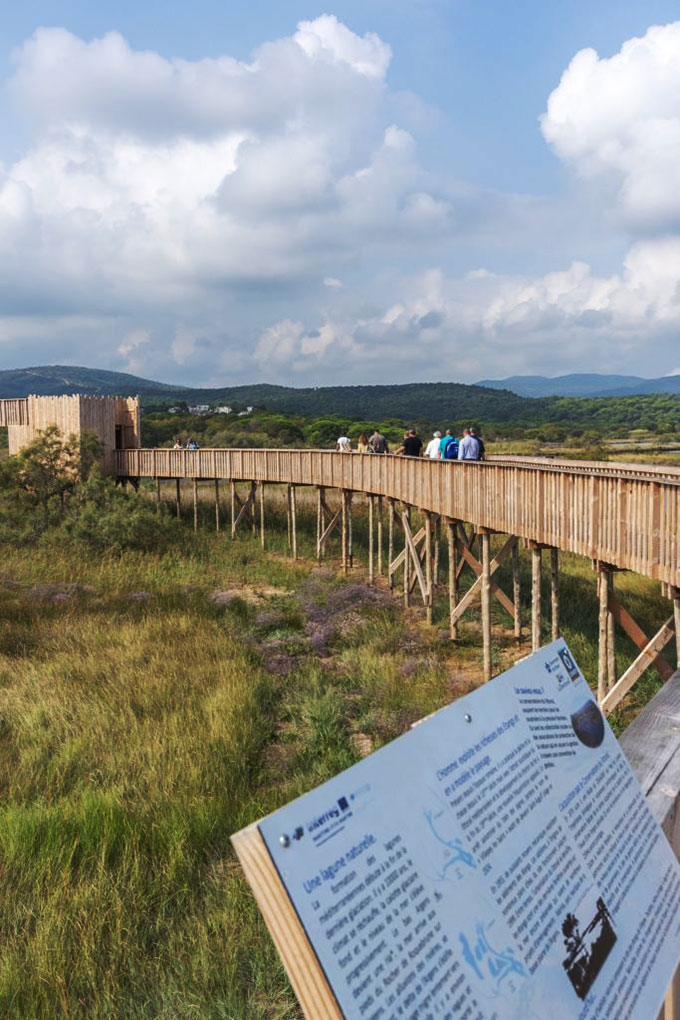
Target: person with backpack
point(448, 446)
point(377, 443)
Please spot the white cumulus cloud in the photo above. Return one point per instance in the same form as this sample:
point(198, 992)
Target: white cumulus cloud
point(619, 118)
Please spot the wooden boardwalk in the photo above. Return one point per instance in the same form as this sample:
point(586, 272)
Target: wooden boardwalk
point(621, 516)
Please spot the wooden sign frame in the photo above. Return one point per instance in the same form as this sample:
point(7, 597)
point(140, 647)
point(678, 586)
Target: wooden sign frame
point(290, 938)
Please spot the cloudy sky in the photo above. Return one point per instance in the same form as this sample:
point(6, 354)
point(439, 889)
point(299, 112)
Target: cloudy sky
point(375, 191)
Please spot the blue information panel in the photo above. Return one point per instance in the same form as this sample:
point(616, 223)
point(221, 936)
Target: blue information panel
point(498, 861)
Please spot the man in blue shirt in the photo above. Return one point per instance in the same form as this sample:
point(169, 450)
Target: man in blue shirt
point(468, 448)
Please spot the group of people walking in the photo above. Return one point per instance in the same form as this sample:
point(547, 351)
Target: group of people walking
point(441, 447)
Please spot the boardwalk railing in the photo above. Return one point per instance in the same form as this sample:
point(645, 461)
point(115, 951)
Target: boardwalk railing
point(626, 516)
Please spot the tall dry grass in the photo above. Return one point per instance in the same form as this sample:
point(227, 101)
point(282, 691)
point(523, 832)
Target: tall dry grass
point(142, 722)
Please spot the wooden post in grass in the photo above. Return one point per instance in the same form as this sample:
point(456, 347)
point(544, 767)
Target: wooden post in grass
point(675, 595)
point(407, 561)
point(516, 600)
point(453, 579)
point(350, 530)
point(371, 566)
point(262, 514)
point(178, 497)
point(195, 504)
point(293, 519)
point(217, 504)
point(428, 564)
point(390, 539)
point(437, 547)
point(319, 520)
point(611, 640)
point(343, 504)
point(289, 515)
point(486, 602)
point(158, 491)
point(603, 592)
point(535, 596)
point(253, 508)
point(555, 592)
point(232, 485)
point(380, 535)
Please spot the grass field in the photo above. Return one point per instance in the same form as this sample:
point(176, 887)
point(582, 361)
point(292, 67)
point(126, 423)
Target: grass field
point(152, 705)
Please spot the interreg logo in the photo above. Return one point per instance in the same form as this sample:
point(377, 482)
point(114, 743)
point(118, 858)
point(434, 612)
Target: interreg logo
point(328, 816)
point(315, 824)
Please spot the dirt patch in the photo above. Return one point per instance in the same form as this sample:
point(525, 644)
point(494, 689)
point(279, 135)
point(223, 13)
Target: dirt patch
point(253, 595)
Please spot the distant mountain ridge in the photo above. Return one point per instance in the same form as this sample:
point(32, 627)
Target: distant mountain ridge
point(584, 384)
point(44, 380)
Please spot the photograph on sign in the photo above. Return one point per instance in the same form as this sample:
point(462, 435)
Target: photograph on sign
point(497, 861)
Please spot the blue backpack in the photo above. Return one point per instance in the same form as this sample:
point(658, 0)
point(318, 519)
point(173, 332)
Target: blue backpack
point(451, 451)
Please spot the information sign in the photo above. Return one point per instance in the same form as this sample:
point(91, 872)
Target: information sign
point(498, 861)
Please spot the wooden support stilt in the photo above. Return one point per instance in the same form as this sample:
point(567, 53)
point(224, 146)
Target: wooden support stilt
point(289, 517)
point(232, 485)
point(611, 639)
point(453, 580)
point(486, 603)
point(350, 531)
point(158, 491)
point(262, 514)
point(675, 595)
point(178, 497)
point(217, 504)
point(293, 519)
point(390, 540)
point(437, 548)
point(555, 593)
point(428, 565)
point(195, 504)
point(371, 566)
point(380, 536)
point(343, 498)
point(516, 594)
point(602, 636)
point(407, 563)
point(535, 598)
point(252, 498)
point(319, 520)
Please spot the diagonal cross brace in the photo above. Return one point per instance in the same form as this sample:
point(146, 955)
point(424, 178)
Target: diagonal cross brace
point(471, 593)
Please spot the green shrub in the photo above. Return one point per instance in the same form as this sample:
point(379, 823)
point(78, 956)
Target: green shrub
point(106, 518)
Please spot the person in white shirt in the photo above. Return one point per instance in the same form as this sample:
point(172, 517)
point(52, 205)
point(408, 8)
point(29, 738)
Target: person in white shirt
point(468, 448)
point(343, 445)
point(432, 449)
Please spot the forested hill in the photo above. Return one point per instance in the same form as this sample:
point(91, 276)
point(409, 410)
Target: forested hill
point(414, 400)
point(436, 401)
